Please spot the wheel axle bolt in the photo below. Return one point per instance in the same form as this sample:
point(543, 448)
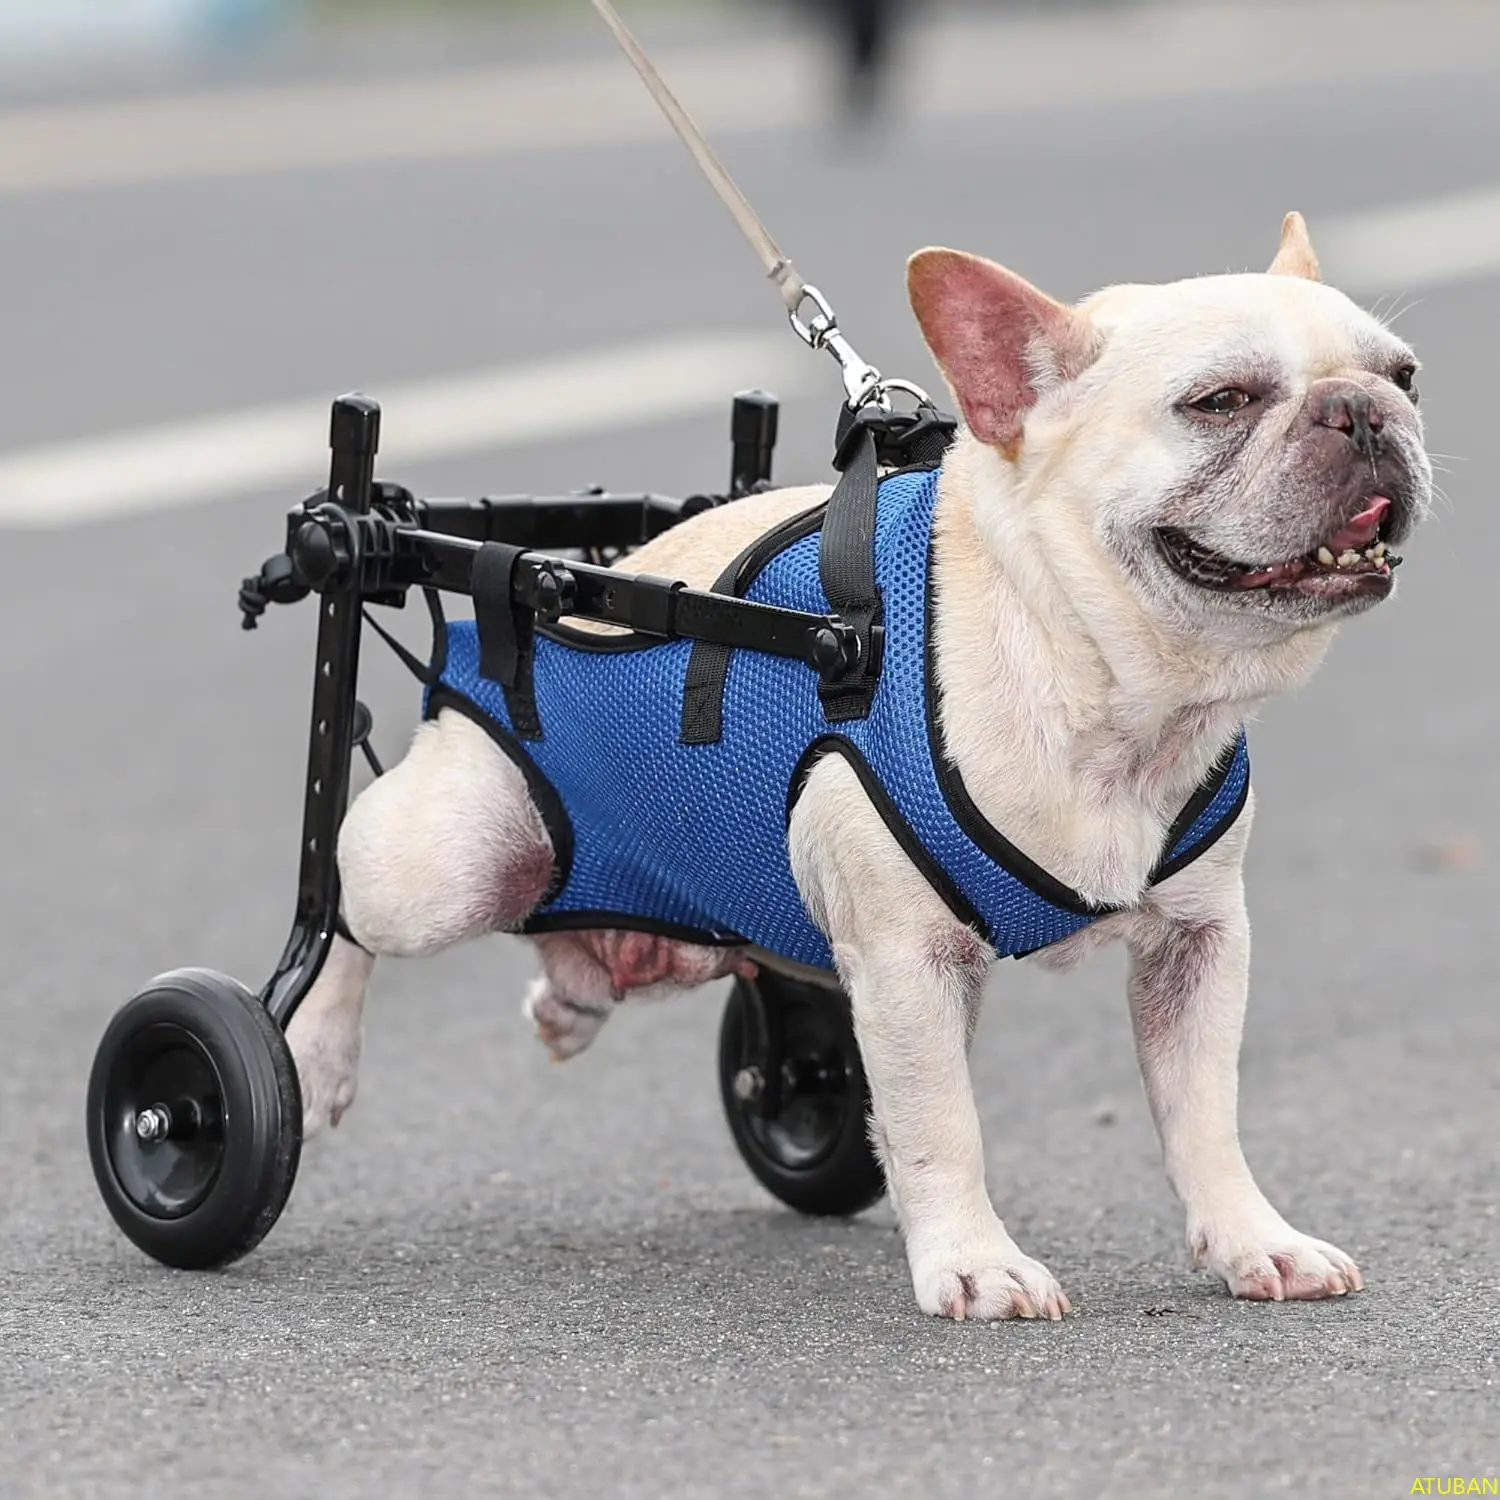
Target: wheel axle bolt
point(153, 1124)
point(749, 1085)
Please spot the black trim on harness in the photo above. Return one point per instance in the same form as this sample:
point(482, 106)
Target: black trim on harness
point(588, 921)
point(554, 815)
point(968, 817)
point(1005, 854)
point(506, 639)
point(1195, 809)
point(707, 674)
point(930, 870)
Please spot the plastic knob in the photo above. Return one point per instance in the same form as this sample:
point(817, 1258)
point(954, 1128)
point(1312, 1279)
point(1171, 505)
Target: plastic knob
point(314, 554)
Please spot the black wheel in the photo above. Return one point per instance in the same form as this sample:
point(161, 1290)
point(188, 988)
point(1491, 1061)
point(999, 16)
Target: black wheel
point(795, 1094)
point(194, 1119)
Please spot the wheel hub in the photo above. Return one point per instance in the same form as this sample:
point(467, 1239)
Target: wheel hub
point(794, 1100)
point(164, 1117)
point(153, 1124)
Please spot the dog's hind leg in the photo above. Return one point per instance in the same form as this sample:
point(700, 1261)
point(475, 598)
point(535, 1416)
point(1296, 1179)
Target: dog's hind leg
point(445, 846)
point(586, 974)
point(572, 997)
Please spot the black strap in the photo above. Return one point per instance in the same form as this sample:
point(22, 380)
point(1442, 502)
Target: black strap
point(507, 632)
point(703, 694)
point(426, 672)
point(707, 674)
point(846, 568)
point(911, 442)
point(1170, 863)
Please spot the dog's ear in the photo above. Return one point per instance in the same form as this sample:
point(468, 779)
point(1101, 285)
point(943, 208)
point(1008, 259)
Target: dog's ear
point(998, 341)
point(1295, 256)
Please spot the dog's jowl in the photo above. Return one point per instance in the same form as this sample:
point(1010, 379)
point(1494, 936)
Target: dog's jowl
point(1162, 503)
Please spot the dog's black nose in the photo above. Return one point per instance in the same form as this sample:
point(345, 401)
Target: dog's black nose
point(1357, 416)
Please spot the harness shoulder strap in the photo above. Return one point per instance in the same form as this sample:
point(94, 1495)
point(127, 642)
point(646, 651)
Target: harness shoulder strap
point(1210, 812)
point(867, 439)
point(846, 567)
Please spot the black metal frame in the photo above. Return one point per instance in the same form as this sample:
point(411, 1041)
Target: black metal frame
point(360, 542)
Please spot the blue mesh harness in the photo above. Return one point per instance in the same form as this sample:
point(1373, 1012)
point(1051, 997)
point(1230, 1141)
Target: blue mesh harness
point(689, 839)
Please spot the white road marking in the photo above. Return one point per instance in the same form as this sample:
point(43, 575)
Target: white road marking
point(206, 458)
point(1409, 247)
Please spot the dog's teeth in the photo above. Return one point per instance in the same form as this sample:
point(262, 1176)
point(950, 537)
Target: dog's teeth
point(1348, 559)
point(1325, 557)
point(1378, 551)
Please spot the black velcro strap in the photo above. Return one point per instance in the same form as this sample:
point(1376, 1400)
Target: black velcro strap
point(846, 569)
point(704, 684)
point(918, 440)
point(703, 694)
point(507, 634)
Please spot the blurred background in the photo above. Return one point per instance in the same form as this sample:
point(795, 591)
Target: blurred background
point(501, 1277)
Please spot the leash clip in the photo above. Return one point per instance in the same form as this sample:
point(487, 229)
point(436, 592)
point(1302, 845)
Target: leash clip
point(863, 383)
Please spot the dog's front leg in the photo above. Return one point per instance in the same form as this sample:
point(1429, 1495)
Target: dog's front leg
point(914, 976)
point(1189, 979)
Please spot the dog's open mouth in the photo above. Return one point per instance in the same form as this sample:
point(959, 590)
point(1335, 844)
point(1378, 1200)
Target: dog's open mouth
point(1353, 559)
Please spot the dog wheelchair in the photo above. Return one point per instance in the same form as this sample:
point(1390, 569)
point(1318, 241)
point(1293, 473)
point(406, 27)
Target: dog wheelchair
point(194, 1111)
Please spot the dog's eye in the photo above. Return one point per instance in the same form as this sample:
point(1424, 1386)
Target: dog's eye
point(1223, 403)
point(1406, 380)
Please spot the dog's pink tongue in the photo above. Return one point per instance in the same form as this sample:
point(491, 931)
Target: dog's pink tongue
point(1361, 530)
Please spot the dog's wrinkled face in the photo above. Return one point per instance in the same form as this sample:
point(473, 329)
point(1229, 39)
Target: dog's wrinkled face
point(1247, 449)
point(1281, 461)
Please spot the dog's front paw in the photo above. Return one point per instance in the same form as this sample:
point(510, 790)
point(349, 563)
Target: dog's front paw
point(988, 1280)
point(1269, 1261)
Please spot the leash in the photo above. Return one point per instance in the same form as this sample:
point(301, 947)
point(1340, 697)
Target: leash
point(869, 430)
point(863, 383)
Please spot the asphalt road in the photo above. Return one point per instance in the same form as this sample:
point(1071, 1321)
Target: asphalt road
point(503, 1277)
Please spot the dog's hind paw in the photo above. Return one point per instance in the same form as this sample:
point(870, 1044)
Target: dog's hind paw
point(564, 1026)
point(986, 1282)
point(1275, 1263)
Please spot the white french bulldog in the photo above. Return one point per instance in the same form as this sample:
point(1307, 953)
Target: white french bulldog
point(1164, 501)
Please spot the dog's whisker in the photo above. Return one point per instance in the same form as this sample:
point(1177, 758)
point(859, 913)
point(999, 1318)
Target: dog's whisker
point(1398, 309)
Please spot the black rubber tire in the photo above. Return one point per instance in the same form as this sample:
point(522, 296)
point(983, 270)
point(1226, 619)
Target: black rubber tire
point(207, 1199)
point(814, 1154)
